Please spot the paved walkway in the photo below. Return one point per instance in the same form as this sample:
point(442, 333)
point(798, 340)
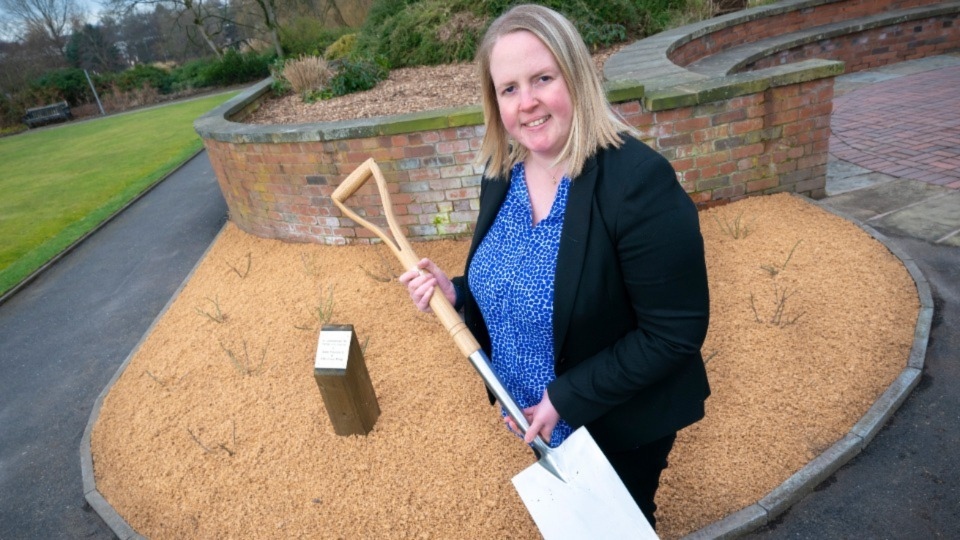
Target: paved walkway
point(64, 336)
point(907, 127)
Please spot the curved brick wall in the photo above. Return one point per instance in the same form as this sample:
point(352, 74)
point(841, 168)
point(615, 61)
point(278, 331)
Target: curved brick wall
point(761, 130)
point(781, 19)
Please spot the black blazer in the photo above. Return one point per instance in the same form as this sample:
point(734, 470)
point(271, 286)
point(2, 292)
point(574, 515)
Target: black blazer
point(631, 303)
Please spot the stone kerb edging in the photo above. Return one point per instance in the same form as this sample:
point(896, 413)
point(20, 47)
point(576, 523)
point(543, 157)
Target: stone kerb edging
point(741, 522)
point(804, 481)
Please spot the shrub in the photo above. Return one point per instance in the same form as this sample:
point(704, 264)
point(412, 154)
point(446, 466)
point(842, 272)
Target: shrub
point(425, 32)
point(236, 68)
point(341, 48)
point(357, 76)
point(307, 36)
point(68, 84)
point(11, 114)
point(140, 75)
point(306, 74)
point(606, 23)
point(280, 86)
point(190, 74)
point(120, 99)
point(233, 68)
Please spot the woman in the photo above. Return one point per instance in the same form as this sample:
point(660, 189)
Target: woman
point(585, 282)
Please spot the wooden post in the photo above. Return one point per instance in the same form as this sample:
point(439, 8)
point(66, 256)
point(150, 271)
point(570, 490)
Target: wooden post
point(344, 381)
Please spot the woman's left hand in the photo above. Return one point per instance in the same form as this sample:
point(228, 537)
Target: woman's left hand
point(543, 417)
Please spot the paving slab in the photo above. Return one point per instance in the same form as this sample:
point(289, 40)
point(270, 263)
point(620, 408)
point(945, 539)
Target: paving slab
point(952, 240)
point(880, 199)
point(853, 182)
point(931, 219)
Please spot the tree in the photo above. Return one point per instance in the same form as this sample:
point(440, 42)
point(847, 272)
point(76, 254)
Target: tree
point(267, 23)
point(204, 18)
point(49, 18)
point(90, 48)
point(140, 38)
point(337, 13)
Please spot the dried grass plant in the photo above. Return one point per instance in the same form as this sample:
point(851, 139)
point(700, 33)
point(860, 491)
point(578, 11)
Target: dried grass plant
point(307, 73)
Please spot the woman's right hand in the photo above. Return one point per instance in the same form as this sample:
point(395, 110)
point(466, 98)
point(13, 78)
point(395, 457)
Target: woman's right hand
point(421, 280)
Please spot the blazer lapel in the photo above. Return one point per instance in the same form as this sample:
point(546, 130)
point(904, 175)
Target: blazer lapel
point(573, 246)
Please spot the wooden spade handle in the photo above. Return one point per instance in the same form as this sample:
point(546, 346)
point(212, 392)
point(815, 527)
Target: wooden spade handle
point(401, 248)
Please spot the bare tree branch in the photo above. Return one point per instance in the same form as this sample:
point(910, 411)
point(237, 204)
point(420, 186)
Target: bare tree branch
point(52, 18)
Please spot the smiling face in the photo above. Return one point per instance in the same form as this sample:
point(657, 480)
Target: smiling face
point(534, 102)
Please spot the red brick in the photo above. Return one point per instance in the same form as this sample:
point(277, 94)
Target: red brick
point(419, 151)
point(761, 185)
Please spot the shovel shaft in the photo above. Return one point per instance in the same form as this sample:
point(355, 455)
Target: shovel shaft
point(438, 302)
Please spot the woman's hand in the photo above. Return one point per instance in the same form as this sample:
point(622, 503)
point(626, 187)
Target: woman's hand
point(421, 280)
point(542, 417)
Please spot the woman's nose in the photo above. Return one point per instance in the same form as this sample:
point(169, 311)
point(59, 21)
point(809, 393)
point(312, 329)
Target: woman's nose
point(528, 99)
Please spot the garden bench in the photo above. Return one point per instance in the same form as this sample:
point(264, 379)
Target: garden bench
point(38, 116)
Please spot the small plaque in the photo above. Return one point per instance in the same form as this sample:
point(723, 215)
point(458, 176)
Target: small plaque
point(333, 350)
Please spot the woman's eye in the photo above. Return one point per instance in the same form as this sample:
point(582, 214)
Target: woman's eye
point(545, 78)
point(507, 90)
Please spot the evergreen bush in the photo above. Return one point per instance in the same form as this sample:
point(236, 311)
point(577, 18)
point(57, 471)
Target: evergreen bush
point(356, 76)
point(423, 32)
point(69, 84)
point(343, 47)
point(307, 36)
point(236, 68)
point(233, 68)
point(189, 75)
point(137, 76)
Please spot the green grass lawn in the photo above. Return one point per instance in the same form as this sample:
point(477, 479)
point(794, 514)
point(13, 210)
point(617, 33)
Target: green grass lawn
point(57, 184)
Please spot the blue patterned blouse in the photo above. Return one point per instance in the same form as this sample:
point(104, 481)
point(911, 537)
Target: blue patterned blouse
point(512, 278)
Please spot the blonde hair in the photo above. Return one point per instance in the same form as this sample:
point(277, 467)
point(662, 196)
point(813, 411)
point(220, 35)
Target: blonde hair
point(595, 125)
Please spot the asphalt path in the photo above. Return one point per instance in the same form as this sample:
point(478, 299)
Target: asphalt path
point(64, 336)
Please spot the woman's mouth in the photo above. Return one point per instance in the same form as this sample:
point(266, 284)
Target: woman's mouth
point(537, 122)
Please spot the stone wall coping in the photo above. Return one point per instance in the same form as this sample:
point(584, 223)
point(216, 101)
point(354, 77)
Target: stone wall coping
point(217, 124)
point(701, 91)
